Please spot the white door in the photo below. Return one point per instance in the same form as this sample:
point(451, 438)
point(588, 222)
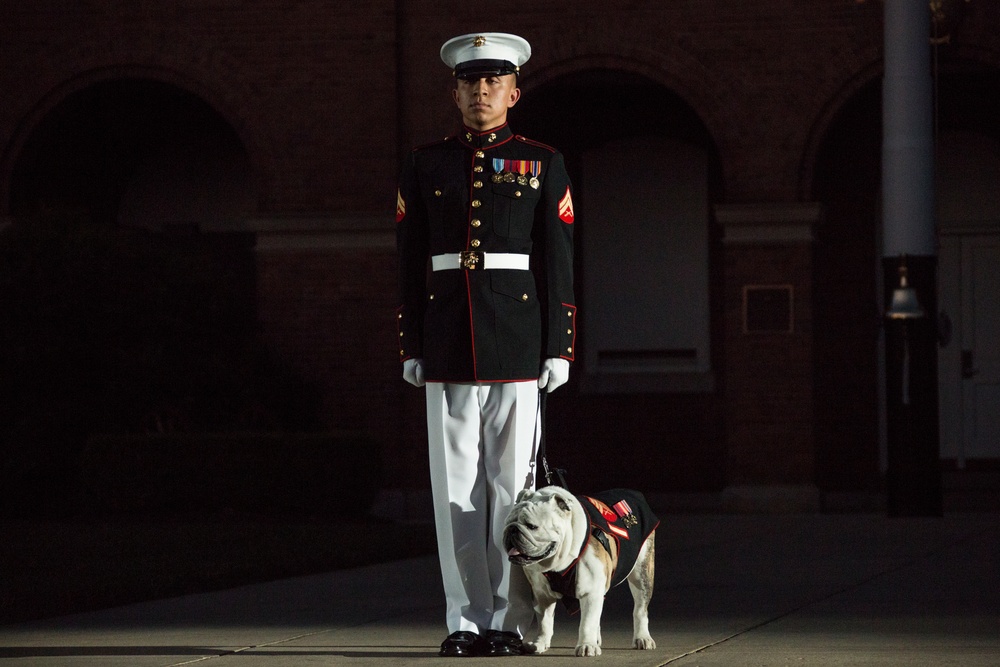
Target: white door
point(969, 366)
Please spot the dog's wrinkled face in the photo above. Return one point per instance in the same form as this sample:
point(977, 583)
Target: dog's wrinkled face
point(536, 526)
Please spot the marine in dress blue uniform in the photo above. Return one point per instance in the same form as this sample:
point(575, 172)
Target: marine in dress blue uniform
point(486, 318)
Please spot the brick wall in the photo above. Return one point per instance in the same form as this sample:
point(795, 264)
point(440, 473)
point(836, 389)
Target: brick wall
point(769, 373)
point(329, 312)
point(310, 87)
point(769, 345)
point(327, 95)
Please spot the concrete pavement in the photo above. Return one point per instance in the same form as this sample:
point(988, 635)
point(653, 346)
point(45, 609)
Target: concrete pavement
point(749, 590)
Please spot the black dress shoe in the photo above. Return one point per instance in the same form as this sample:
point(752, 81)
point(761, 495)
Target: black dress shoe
point(502, 643)
point(460, 644)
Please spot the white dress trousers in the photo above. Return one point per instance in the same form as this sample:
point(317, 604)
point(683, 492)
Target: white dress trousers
point(482, 443)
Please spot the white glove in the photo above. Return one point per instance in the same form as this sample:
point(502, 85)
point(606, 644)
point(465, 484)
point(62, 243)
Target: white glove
point(413, 372)
point(554, 374)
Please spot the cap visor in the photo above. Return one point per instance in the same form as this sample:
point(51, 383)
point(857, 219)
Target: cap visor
point(477, 69)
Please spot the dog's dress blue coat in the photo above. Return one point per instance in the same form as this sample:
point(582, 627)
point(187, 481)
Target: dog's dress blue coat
point(621, 515)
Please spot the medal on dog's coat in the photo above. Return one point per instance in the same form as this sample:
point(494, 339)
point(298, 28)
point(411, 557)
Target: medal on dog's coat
point(575, 549)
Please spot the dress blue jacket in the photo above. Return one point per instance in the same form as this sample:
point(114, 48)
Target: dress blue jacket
point(485, 192)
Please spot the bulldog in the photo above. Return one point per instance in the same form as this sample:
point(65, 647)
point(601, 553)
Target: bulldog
point(575, 549)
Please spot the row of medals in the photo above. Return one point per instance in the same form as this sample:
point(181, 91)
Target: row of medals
point(510, 177)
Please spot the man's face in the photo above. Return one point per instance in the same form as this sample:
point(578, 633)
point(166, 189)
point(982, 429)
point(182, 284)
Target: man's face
point(484, 102)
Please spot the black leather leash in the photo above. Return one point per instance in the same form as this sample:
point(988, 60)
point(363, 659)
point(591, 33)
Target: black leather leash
point(553, 476)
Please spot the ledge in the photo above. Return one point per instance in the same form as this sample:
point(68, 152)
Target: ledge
point(790, 222)
point(314, 232)
point(647, 383)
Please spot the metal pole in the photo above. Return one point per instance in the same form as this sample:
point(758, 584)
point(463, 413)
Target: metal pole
point(913, 476)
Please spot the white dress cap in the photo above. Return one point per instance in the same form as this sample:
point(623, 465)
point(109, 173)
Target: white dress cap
point(485, 54)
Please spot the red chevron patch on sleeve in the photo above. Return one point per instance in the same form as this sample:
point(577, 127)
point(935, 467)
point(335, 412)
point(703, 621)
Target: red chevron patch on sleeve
point(400, 206)
point(605, 511)
point(566, 208)
point(621, 533)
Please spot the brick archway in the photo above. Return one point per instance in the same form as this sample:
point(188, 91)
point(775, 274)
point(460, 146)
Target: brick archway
point(167, 79)
point(132, 150)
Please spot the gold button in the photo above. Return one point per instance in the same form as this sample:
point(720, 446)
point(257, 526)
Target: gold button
point(569, 313)
point(478, 168)
point(517, 193)
point(468, 136)
point(401, 353)
point(477, 184)
point(431, 297)
point(475, 222)
point(399, 316)
point(400, 334)
point(569, 331)
point(570, 350)
point(437, 193)
point(476, 203)
point(524, 297)
point(480, 154)
point(475, 243)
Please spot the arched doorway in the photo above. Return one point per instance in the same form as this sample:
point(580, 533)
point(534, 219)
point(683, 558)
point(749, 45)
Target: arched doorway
point(847, 370)
point(130, 305)
point(135, 153)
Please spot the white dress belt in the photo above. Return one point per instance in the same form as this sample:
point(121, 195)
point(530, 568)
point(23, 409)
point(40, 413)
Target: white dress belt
point(479, 260)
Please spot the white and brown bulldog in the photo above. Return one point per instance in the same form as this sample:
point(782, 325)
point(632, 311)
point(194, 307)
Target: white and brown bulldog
point(575, 549)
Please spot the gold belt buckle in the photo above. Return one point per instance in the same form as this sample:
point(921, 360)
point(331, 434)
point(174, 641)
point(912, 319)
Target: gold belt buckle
point(468, 259)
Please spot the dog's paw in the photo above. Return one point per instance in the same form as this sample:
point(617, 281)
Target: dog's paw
point(540, 645)
point(587, 650)
point(643, 643)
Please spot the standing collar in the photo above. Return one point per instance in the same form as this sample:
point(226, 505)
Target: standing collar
point(488, 139)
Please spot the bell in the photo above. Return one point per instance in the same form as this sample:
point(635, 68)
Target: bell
point(905, 305)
